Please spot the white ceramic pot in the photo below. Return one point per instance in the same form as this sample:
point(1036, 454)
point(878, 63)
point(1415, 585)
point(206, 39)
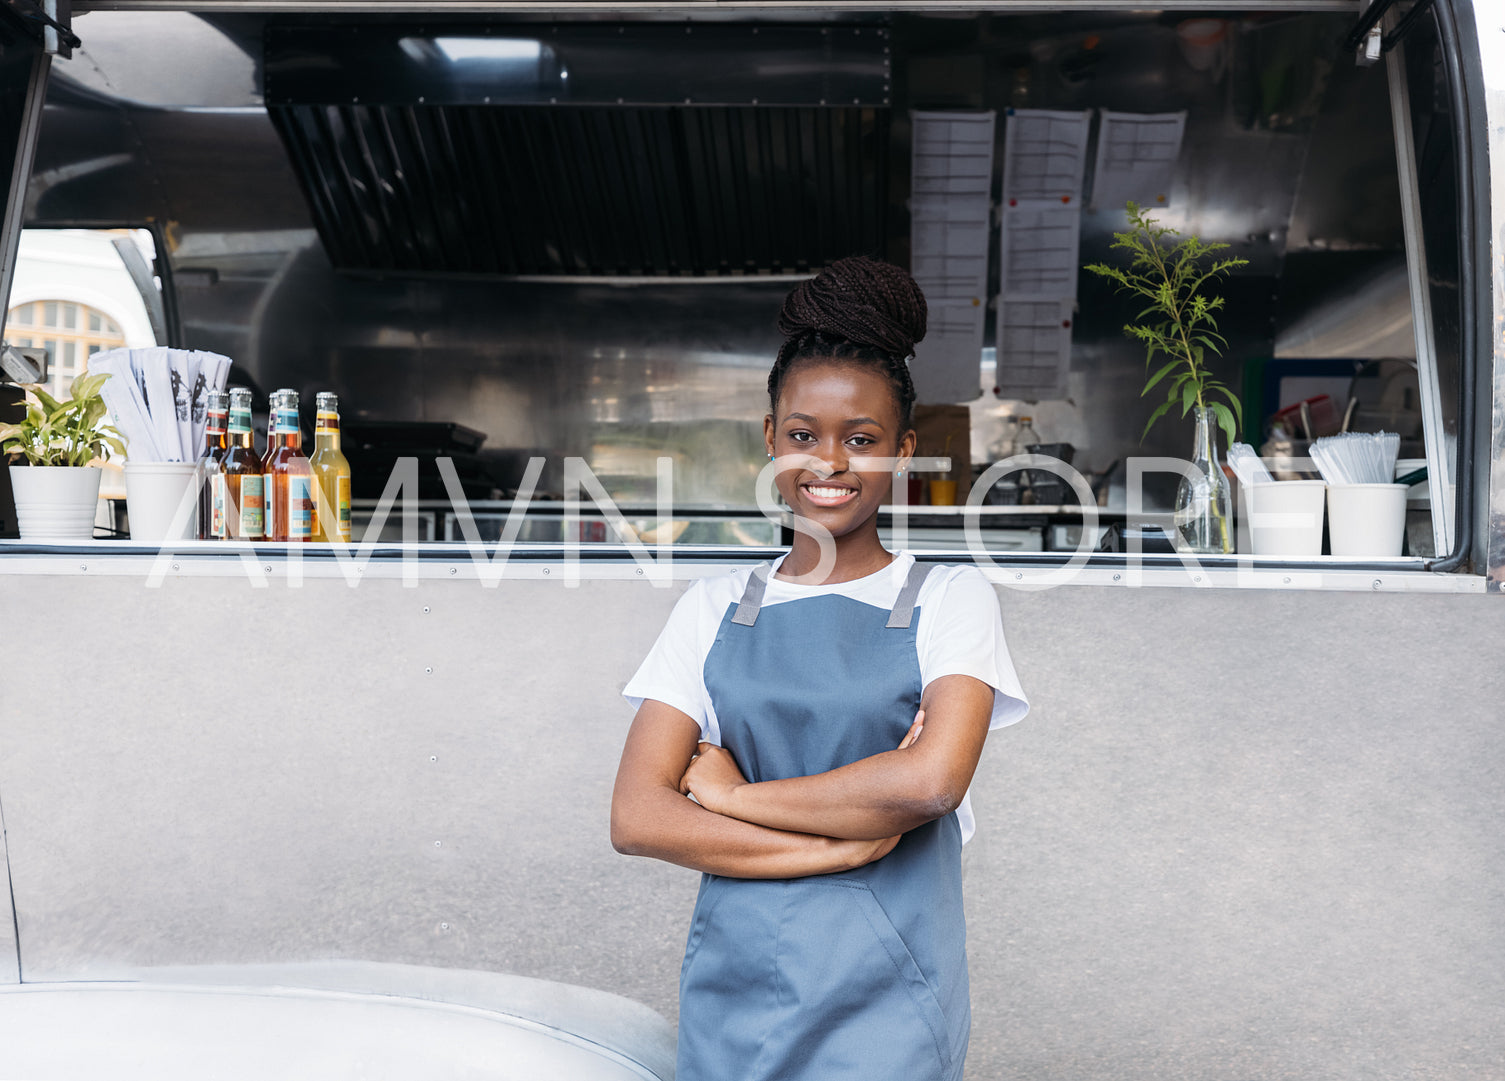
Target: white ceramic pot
point(55, 502)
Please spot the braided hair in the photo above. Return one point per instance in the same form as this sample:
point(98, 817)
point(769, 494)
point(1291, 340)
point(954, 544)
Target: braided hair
point(860, 310)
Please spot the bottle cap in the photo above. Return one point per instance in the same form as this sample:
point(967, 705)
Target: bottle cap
point(219, 401)
point(240, 397)
point(327, 402)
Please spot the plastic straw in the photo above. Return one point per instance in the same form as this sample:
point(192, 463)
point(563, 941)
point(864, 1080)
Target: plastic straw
point(1357, 457)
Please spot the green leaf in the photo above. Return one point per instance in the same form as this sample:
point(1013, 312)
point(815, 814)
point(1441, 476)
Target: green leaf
point(1225, 420)
point(1156, 415)
point(1157, 377)
point(1188, 395)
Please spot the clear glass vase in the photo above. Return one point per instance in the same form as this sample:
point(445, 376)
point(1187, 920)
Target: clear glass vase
point(1204, 501)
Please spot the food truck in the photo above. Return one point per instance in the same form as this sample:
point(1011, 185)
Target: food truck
point(536, 251)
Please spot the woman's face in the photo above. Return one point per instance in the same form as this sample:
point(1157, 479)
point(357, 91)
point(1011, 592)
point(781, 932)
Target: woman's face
point(836, 435)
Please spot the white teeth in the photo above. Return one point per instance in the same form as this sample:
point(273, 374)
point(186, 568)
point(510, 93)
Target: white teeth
point(827, 493)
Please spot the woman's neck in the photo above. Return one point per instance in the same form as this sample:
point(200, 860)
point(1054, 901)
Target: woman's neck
point(857, 556)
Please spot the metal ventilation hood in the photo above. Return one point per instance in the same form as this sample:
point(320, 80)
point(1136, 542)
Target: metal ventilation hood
point(595, 150)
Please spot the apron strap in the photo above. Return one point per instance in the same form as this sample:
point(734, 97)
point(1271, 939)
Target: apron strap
point(752, 596)
point(903, 610)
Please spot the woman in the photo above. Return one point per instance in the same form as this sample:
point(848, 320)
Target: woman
point(826, 714)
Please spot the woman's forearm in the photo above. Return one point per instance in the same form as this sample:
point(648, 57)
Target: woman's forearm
point(666, 825)
point(880, 796)
point(888, 793)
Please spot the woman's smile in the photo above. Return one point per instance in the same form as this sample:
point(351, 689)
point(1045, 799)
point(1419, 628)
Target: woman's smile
point(828, 495)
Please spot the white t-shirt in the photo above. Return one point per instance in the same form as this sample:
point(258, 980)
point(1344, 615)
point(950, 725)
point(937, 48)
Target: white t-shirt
point(959, 632)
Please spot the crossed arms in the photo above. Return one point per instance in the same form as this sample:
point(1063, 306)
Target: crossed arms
point(827, 822)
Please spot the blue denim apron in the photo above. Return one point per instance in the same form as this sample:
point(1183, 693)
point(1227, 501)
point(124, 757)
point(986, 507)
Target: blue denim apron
point(855, 976)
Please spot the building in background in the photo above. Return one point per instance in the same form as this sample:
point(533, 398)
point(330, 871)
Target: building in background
point(73, 297)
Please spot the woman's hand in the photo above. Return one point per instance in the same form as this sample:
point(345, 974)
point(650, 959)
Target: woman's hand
point(712, 777)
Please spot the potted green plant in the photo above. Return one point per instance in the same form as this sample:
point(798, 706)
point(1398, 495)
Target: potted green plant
point(57, 489)
point(1180, 326)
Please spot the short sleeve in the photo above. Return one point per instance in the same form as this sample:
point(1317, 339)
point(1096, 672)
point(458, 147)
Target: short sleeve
point(961, 633)
point(671, 673)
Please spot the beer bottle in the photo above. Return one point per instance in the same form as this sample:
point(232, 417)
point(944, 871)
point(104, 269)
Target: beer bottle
point(331, 473)
point(212, 470)
point(245, 501)
point(290, 504)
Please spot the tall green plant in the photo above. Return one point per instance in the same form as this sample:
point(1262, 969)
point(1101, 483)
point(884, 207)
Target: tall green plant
point(1179, 323)
point(67, 432)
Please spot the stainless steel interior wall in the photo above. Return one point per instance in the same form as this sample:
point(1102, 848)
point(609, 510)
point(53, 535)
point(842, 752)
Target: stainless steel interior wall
point(1266, 854)
point(1285, 155)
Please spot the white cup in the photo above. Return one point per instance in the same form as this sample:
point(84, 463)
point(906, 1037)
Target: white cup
point(1366, 520)
point(1285, 517)
point(162, 500)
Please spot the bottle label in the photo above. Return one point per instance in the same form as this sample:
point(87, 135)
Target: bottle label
point(286, 421)
point(300, 507)
point(240, 421)
point(216, 424)
point(326, 420)
point(252, 506)
point(217, 496)
point(342, 501)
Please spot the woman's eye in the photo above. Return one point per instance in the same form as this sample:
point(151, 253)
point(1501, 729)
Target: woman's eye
point(862, 441)
point(800, 437)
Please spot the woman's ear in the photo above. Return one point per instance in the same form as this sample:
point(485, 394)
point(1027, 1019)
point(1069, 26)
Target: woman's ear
point(907, 443)
point(768, 433)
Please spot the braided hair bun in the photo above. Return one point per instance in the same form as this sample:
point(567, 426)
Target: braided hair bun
point(857, 309)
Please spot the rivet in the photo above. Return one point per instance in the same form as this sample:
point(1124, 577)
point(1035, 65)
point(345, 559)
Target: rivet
point(1117, 577)
point(1018, 574)
point(444, 927)
point(425, 609)
point(1376, 584)
point(267, 568)
point(174, 566)
point(454, 570)
point(1196, 578)
point(438, 844)
point(1286, 580)
point(83, 566)
point(546, 570)
point(433, 758)
point(640, 570)
point(428, 671)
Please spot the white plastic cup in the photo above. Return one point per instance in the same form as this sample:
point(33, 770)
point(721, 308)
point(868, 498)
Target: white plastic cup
point(1366, 520)
point(162, 500)
point(1285, 517)
point(55, 502)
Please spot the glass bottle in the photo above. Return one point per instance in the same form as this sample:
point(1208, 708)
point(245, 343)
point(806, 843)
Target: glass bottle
point(1025, 440)
point(331, 473)
point(1204, 499)
point(245, 501)
point(212, 469)
point(290, 505)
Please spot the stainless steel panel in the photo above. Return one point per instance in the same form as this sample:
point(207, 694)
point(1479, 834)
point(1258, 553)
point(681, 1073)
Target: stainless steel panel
point(1269, 895)
point(590, 63)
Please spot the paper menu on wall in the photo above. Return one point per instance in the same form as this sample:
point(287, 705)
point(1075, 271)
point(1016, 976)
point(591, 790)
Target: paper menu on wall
point(1038, 251)
point(1136, 158)
point(1044, 155)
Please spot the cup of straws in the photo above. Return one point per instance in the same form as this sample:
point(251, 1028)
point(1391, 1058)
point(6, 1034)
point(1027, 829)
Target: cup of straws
point(1366, 509)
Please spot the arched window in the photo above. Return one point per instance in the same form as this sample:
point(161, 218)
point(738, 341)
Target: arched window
point(70, 332)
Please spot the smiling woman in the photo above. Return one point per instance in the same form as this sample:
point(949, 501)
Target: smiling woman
point(825, 714)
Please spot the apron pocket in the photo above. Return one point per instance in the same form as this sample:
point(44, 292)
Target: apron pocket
point(852, 999)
